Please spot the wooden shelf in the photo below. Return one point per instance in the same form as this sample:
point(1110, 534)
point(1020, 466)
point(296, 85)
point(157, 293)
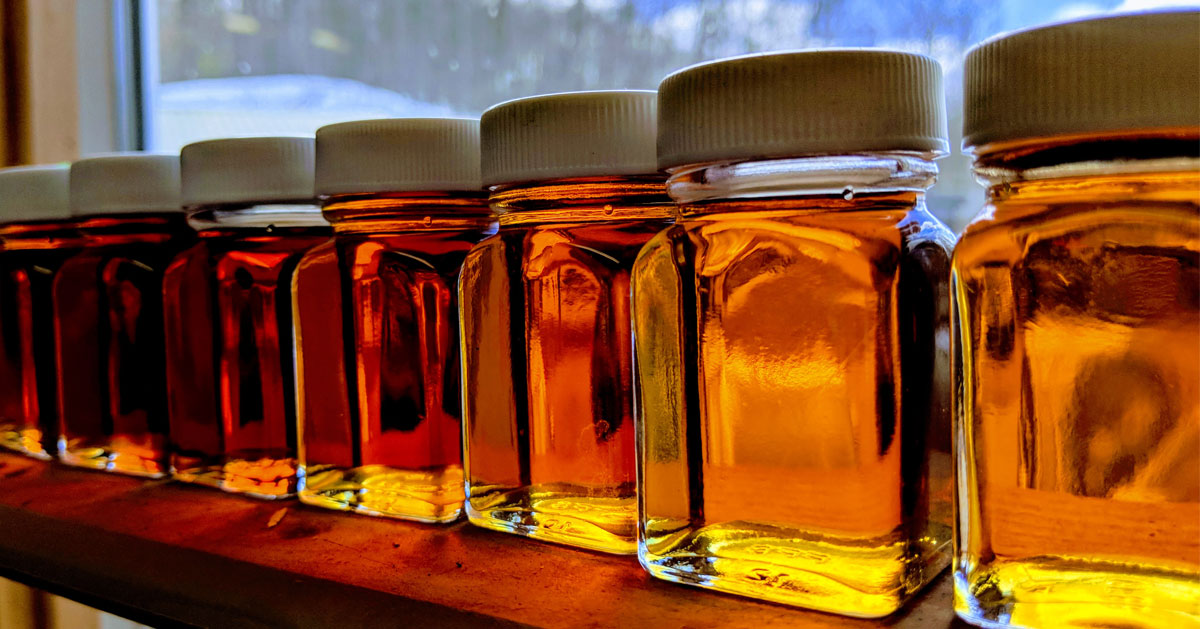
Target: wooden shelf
point(168, 554)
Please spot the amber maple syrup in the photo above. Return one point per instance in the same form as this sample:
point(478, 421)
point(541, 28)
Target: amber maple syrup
point(228, 313)
point(846, 507)
point(547, 360)
point(1078, 309)
point(1077, 328)
point(378, 354)
point(108, 318)
point(791, 333)
point(229, 342)
point(30, 255)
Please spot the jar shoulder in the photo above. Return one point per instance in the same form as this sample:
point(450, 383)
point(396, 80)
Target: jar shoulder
point(1007, 232)
point(442, 251)
point(881, 238)
point(542, 251)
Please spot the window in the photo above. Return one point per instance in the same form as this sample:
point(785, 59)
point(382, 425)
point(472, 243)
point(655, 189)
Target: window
point(263, 67)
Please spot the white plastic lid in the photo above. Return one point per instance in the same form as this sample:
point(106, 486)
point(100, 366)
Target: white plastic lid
point(125, 183)
point(398, 155)
point(35, 193)
point(576, 134)
point(796, 103)
point(247, 170)
point(1122, 73)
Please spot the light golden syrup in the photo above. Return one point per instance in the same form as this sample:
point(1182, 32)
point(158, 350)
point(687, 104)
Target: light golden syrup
point(792, 361)
point(1078, 355)
point(547, 372)
point(30, 255)
point(108, 322)
point(378, 361)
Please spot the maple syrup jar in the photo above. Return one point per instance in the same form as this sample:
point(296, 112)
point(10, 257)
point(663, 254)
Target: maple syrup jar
point(112, 391)
point(37, 235)
point(1077, 328)
point(547, 377)
point(791, 333)
point(228, 313)
point(376, 311)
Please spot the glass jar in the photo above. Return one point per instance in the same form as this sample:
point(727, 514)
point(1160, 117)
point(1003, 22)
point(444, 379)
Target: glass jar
point(377, 352)
point(791, 333)
point(108, 318)
point(228, 313)
point(547, 378)
point(1077, 328)
point(36, 235)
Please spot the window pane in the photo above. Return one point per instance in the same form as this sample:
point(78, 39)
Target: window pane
point(258, 67)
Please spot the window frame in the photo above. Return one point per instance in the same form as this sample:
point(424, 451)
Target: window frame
point(116, 60)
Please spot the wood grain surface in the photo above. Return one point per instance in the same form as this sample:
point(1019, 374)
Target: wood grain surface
point(165, 553)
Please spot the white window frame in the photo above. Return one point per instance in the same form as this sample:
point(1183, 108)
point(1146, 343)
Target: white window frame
point(116, 54)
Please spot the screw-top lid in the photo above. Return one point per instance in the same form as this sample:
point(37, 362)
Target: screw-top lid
point(125, 183)
point(576, 134)
point(398, 155)
point(796, 103)
point(34, 193)
point(1126, 72)
point(245, 170)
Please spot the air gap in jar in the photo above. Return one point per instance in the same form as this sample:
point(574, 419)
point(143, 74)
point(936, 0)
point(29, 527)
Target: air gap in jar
point(547, 375)
point(228, 313)
point(1077, 328)
point(791, 333)
point(37, 235)
point(108, 313)
point(376, 313)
